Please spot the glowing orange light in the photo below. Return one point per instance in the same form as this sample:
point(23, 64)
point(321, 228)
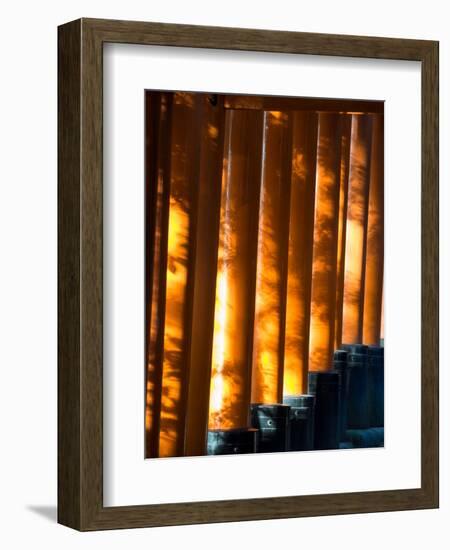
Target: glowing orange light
point(356, 228)
point(174, 363)
point(230, 375)
point(176, 280)
point(220, 385)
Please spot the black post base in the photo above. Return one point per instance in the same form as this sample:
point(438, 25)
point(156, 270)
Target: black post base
point(272, 422)
point(327, 423)
point(232, 441)
point(301, 425)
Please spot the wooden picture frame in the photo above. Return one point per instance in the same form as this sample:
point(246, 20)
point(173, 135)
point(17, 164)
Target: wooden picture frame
point(80, 271)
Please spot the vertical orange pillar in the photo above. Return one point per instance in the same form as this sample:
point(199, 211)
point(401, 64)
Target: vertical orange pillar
point(158, 114)
point(236, 271)
point(342, 226)
point(301, 226)
point(323, 291)
point(205, 236)
point(373, 291)
point(267, 368)
point(359, 177)
point(174, 375)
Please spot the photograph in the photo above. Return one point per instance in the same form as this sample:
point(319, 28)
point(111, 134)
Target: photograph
point(264, 261)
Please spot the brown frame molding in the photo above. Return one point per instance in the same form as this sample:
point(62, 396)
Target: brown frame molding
point(80, 302)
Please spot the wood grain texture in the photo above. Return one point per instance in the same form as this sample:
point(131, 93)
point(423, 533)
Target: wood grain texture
point(80, 226)
point(69, 243)
point(430, 273)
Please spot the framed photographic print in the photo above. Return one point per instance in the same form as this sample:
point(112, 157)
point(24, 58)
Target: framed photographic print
point(248, 274)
